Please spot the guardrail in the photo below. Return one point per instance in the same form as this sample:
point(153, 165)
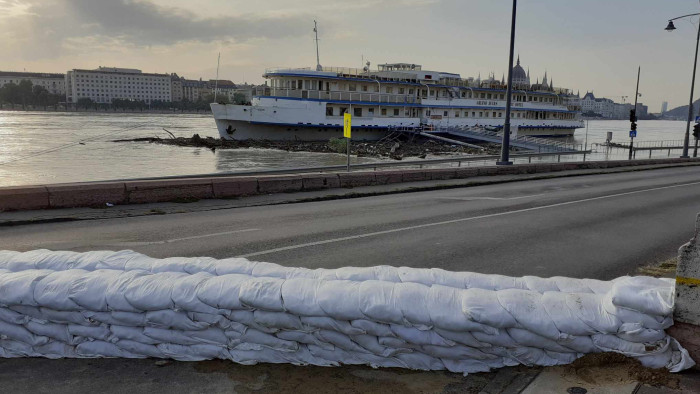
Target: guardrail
point(363, 166)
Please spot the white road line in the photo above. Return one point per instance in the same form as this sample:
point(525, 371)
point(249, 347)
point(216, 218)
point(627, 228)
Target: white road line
point(488, 198)
point(396, 230)
point(186, 238)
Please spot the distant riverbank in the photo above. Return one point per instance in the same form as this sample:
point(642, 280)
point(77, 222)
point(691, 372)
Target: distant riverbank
point(71, 108)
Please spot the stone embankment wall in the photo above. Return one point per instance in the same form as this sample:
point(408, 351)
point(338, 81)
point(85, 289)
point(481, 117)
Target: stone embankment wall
point(148, 191)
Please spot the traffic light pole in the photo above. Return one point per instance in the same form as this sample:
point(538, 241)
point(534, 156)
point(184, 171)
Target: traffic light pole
point(633, 115)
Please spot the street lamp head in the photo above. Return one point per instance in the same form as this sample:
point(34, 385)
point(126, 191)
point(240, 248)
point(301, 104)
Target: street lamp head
point(670, 26)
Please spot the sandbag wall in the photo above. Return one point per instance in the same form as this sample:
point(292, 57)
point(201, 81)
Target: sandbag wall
point(125, 304)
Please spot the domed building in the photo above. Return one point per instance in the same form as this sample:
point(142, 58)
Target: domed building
point(520, 78)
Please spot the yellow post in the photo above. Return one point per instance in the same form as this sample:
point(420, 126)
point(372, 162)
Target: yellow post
point(347, 133)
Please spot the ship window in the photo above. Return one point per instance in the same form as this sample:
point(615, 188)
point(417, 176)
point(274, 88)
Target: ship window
point(299, 84)
point(342, 110)
point(473, 114)
point(364, 88)
point(488, 95)
point(424, 93)
point(432, 92)
point(464, 94)
point(481, 114)
point(482, 95)
point(389, 90)
point(352, 87)
point(456, 114)
point(383, 111)
point(444, 113)
point(371, 111)
point(500, 114)
point(427, 113)
point(357, 112)
point(410, 91)
point(329, 110)
point(494, 114)
point(401, 90)
point(396, 112)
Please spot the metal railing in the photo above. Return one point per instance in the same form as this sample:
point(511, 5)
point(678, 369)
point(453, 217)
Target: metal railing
point(364, 166)
point(344, 96)
point(534, 143)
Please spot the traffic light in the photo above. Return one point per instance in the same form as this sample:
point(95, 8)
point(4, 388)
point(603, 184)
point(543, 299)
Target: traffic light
point(633, 126)
point(696, 130)
point(633, 116)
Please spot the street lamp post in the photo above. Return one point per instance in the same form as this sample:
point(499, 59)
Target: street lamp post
point(686, 140)
point(505, 146)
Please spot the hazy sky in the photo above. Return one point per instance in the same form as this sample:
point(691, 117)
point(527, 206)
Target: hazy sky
point(584, 45)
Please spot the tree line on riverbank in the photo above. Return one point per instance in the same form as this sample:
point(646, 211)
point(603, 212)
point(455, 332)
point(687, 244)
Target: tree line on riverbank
point(26, 94)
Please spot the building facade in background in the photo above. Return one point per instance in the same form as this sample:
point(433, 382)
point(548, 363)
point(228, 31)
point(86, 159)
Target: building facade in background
point(54, 83)
point(105, 84)
point(608, 109)
point(664, 107)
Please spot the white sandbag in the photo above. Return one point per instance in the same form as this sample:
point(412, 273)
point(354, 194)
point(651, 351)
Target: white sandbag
point(651, 296)
point(300, 296)
point(316, 323)
point(340, 300)
point(222, 292)
point(20, 333)
point(124, 304)
point(10, 316)
point(101, 349)
point(148, 350)
point(52, 330)
point(527, 309)
point(168, 318)
point(153, 292)
point(303, 337)
point(185, 291)
point(17, 288)
point(116, 291)
point(482, 306)
point(89, 291)
point(53, 290)
point(132, 334)
point(262, 293)
point(101, 333)
point(378, 303)
point(278, 320)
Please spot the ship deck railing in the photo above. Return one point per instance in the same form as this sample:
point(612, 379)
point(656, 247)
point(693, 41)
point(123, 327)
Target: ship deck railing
point(537, 144)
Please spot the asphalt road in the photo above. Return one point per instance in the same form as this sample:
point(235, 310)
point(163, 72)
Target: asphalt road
point(599, 226)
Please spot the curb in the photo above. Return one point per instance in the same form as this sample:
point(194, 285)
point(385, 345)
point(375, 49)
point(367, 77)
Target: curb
point(98, 194)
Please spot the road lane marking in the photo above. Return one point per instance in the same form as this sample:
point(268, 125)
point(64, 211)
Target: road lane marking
point(488, 198)
point(419, 226)
point(167, 241)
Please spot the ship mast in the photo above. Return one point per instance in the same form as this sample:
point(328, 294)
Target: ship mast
point(318, 62)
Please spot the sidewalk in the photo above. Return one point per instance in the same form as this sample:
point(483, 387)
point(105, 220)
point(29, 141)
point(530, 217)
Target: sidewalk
point(217, 376)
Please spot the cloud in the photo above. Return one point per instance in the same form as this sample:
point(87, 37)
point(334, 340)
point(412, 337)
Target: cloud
point(39, 29)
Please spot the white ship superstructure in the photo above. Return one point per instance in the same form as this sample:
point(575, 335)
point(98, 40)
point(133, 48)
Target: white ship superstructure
point(307, 104)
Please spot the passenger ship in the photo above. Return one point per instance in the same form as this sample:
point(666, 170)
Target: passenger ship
point(308, 105)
